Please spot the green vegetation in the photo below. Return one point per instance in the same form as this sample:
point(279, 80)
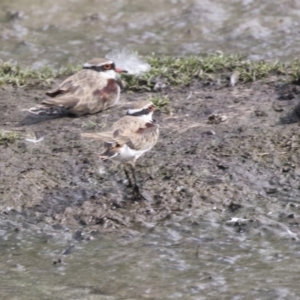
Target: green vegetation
point(7, 137)
point(92, 124)
point(182, 70)
point(162, 103)
point(13, 74)
point(295, 71)
point(174, 71)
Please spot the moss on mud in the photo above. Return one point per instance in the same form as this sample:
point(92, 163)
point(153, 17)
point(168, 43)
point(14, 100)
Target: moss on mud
point(14, 74)
point(175, 71)
point(7, 137)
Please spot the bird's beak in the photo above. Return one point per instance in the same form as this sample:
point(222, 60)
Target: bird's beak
point(120, 70)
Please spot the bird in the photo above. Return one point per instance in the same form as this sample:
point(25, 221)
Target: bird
point(93, 89)
point(129, 138)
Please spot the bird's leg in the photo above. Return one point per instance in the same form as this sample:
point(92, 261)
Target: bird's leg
point(127, 175)
point(132, 167)
point(136, 188)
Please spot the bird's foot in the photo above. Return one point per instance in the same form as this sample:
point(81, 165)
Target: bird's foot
point(130, 185)
point(137, 195)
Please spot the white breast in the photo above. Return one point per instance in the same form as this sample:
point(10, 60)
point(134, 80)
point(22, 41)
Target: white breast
point(110, 74)
point(118, 95)
point(127, 154)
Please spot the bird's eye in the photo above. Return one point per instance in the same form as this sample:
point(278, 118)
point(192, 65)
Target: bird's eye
point(107, 67)
point(151, 107)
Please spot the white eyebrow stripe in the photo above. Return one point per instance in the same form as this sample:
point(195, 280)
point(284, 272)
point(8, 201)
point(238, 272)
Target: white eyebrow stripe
point(88, 65)
point(134, 110)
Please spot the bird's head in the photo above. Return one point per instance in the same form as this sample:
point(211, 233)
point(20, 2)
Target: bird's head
point(106, 66)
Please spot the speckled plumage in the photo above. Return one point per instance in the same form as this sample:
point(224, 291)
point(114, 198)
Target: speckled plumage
point(131, 136)
point(89, 91)
point(86, 92)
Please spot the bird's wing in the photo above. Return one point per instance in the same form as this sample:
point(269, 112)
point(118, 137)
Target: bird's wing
point(131, 131)
point(74, 82)
point(102, 136)
point(81, 93)
point(135, 133)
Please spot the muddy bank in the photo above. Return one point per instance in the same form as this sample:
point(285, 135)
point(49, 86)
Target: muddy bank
point(242, 162)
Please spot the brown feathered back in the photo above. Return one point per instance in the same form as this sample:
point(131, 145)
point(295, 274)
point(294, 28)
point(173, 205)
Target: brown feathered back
point(132, 131)
point(86, 92)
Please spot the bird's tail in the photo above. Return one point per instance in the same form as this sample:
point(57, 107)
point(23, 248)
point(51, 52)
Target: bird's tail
point(109, 153)
point(43, 113)
point(102, 136)
point(112, 148)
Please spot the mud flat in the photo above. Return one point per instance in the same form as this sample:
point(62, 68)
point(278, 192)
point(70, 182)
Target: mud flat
point(226, 154)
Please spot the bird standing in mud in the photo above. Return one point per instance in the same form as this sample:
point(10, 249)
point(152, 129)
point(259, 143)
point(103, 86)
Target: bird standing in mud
point(89, 91)
point(129, 138)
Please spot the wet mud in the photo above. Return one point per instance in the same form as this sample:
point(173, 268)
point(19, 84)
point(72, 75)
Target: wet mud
point(225, 154)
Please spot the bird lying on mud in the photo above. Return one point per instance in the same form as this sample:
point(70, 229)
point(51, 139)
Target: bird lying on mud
point(89, 91)
point(129, 138)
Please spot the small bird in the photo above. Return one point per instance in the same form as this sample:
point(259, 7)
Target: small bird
point(130, 137)
point(89, 91)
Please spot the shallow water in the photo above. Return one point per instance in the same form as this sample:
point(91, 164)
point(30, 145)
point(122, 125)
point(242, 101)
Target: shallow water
point(54, 32)
point(177, 260)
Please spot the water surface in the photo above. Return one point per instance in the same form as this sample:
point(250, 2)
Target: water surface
point(53, 32)
point(178, 260)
